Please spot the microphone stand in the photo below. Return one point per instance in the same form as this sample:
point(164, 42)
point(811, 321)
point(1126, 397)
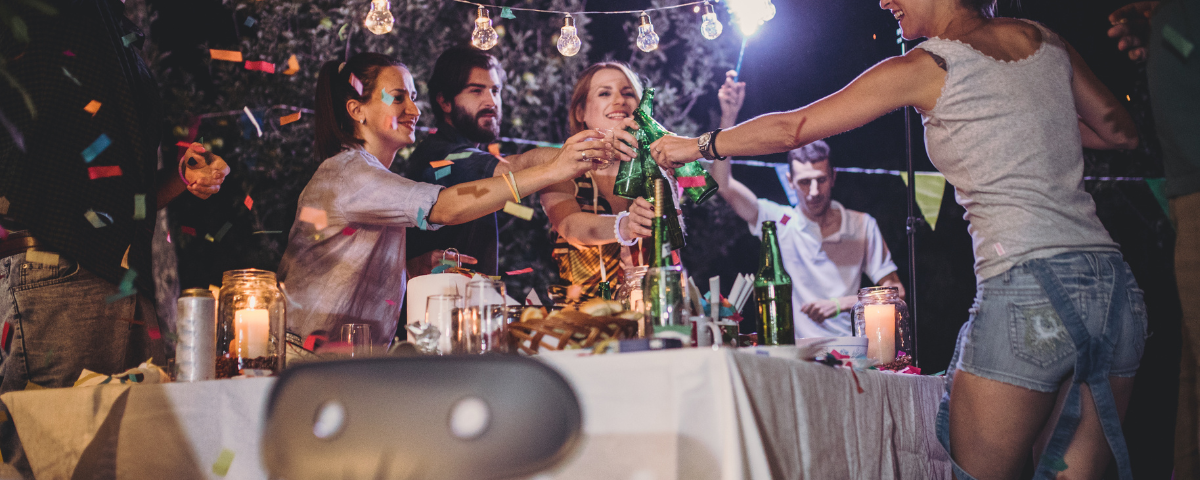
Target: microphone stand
point(911, 224)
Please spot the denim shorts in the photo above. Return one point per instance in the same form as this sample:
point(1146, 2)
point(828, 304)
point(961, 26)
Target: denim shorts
point(1015, 336)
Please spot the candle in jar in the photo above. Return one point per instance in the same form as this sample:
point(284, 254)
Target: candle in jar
point(881, 332)
point(252, 327)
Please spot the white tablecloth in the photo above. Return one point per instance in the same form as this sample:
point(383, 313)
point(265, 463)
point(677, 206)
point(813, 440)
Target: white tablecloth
point(687, 414)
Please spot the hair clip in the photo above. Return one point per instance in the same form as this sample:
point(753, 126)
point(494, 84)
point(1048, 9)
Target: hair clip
point(340, 67)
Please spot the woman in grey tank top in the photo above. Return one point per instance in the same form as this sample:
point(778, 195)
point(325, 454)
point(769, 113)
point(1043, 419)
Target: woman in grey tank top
point(1007, 107)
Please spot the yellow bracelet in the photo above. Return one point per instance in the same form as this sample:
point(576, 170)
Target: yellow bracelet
point(512, 185)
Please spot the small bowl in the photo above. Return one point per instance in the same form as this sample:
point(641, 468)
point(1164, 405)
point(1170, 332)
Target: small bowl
point(848, 346)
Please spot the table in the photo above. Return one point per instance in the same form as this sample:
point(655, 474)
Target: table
point(689, 414)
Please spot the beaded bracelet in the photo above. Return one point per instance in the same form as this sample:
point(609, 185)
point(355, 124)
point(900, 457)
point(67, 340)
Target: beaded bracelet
point(617, 231)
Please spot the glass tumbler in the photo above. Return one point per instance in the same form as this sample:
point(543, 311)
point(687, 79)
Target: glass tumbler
point(479, 326)
point(882, 317)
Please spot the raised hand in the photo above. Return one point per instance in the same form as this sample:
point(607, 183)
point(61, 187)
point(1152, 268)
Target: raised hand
point(1131, 23)
point(204, 172)
point(640, 221)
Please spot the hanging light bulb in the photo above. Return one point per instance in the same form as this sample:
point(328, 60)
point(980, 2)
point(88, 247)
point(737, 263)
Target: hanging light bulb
point(568, 40)
point(769, 11)
point(379, 20)
point(647, 40)
point(484, 37)
point(710, 27)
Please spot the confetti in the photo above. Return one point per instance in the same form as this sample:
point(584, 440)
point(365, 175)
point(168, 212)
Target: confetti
point(441, 163)
point(188, 230)
point(226, 55)
point(3, 206)
point(293, 66)
point(250, 21)
point(72, 77)
point(125, 289)
point(104, 172)
point(286, 119)
point(421, 219)
point(1057, 464)
point(266, 67)
point(139, 206)
point(266, 232)
point(441, 173)
point(253, 120)
point(517, 210)
point(458, 156)
point(224, 229)
point(494, 149)
point(389, 302)
point(221, 466)
point(689, 182)
point(387, 99)
point(68, 53)
point(183, 144)
point(129, 39)
point(125, 258)
point(13, 132)
point(98, 219)
point(1178, 41)
point(785, 219)
point(521, 271)
point(356, 84)
point(209, 237)
point(249, 202)
point(44, 258)
point(507, 13)
point(154, 333)
point(348, 231)
point(102, 142)
point(92, 107)
point(342, 35)
point(315, 216)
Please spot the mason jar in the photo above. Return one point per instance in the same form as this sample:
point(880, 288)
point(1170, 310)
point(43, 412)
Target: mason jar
point(251, 325)
point(882, 316)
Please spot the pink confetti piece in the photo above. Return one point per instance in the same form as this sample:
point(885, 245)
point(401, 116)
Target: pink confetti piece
point(689, 182)
point(183, 144)
point(675, 257)
point(249, 203)
point(104, 172)
point(785, 219)
point(154, 333)
point(266, 67)
point(358, 86)
point(389, 302)
point(188, 230)
point(348, 231)
point(68, 53)
point(521, 271)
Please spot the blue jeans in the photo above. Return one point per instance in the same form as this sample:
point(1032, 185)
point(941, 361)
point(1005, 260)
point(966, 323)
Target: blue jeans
point(1035, 324)
point(61, 324)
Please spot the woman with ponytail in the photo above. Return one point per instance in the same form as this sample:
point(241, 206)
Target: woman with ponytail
point(345, 260)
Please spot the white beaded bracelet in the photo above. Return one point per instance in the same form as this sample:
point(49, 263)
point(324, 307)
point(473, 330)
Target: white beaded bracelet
point(617, 231)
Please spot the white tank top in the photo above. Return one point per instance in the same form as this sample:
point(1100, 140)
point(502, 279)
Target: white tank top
point(1006, 136)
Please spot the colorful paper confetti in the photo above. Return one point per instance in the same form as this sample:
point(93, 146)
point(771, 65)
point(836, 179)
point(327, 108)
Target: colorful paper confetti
point(249, 203)
point(250, 21)
point(125, 289)
point(441, 163)
point(494, 149)
point(129, 39)
point(102, 142)
point(507, 13)
point(188, 231)
point(224, 460)
point(286, 119)
point(224, 229)
point(441, 173)
point(68, 53)
point(104, 172)
point(389, 302)
point(521, 271)
point(348, 231)
point(3, 206)
point(517, 210)
point(226, 55)
point(387, 98)
point(266, 67)
point(315, 216)
point(253, 120)
point(785, 219)
point(689, 182)
point(458, 156)
point(97, 219)
point(421, 219)
point(139, 206)
point(92, 107)
point(356, 84)
point(183, 144)
point(293, 66)
point(72, 77)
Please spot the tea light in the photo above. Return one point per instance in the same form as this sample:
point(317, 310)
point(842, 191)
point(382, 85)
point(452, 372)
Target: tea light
point(252, 337)
point(881, 332)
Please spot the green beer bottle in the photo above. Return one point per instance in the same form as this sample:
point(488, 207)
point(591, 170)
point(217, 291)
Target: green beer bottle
point(650, 131)
point(674, 236)
point(773, 292)
point(660, 254)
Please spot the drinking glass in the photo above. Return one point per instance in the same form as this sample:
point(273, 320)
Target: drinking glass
point(439, 312)
point(480, 324)
point(358, 337)
point(606, 158)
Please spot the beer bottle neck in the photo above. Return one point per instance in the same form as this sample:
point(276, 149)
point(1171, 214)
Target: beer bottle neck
point(770, 263)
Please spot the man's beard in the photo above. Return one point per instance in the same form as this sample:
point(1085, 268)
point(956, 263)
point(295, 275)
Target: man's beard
point(468, 124)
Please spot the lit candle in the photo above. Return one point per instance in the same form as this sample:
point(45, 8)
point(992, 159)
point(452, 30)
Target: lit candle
point(881, 332)
point(252, 327)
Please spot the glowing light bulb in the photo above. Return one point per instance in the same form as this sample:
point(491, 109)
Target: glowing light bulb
point(647, 40)
point(379, 20)
point(568, 40)
point(484, 37)
point(768, 11)
point(710, 28)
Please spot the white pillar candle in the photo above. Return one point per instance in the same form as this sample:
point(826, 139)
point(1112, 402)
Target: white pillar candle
point(252, 332)
point(881, 332)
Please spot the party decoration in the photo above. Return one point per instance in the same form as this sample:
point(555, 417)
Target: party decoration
point(250, 21)
point(441, 163)
point(521, 271)
point(441, 173)
point(99, 145)
point(484, 37)
point(104, 172)
point(253, 120)
point(506, 13)
point(44, 258)
point(379, 20)
point(517, 210)
point(354, 82)
point(125, 288)
point(647, 40)
point(293, 66)
point(315, 216)
point(568, 39)
point(225, 55)
point(129, 39)
point(710, 27)
point(72, 77)
point(224, 229)
point(266, 67)
point(387, 98)
point(92, 107)
point(930, 187)
point(286, 119)
point(224, 460)
point(139, 206)
point(249, 203)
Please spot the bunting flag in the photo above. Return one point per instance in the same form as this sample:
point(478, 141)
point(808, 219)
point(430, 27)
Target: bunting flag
point(930, 187)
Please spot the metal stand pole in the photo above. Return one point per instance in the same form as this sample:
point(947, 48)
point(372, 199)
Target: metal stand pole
point(911, 229)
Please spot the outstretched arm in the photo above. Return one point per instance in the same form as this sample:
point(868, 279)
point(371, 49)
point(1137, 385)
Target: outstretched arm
point(1103, 122)
point(739, 196)
point(913, 79)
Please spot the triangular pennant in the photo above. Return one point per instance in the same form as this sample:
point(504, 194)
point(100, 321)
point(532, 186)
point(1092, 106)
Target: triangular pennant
point(930, 187)
point(507, 13)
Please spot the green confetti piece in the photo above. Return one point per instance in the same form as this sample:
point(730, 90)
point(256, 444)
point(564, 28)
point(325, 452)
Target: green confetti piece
point(342, 32)
point(72, 77)
point(94, 219)
point(387, 99)
point(421, 218)
point(221, 466)
point(224, 229)
point(458, 156)
point(440, 268)
point(1057, 464)
point(139, 206)
point(129, 39)
point(1177, 40)
point(507, 13)
point(441, 173)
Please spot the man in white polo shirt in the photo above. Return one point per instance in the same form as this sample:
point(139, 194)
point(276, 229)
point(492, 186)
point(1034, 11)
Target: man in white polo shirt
point(826, 247)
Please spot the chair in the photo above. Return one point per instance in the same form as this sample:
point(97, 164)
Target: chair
point(449, 417)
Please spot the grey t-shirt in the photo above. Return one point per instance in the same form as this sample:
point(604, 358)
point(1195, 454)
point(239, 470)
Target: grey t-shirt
point(345, 260)
point(1006, 135)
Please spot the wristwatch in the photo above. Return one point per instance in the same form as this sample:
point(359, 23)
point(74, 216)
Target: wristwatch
point(707, 147)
